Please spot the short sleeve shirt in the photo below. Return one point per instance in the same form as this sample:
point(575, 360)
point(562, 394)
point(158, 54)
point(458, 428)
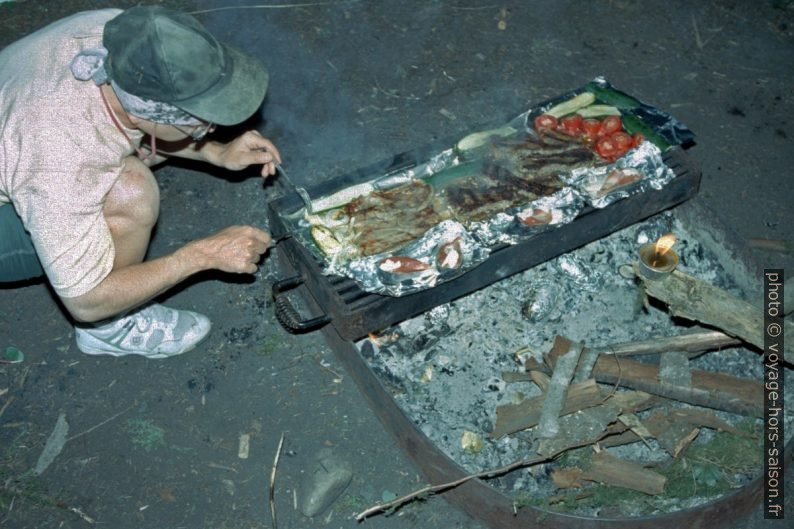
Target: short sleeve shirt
point(60, 151)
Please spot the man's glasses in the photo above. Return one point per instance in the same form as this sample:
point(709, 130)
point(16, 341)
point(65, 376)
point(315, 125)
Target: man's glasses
point(198, 132)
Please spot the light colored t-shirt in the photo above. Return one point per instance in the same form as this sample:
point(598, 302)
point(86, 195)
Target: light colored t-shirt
point(60, 152)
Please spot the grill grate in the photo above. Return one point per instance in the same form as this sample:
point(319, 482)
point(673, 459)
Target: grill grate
point(354, 312)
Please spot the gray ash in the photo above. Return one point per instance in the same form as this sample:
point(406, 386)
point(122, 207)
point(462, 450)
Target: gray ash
point(445, 366)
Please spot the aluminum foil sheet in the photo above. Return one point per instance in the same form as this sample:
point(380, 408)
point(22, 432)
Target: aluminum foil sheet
point(640, 169)
point(521, 223)
point(451, 247)
point(443, 253)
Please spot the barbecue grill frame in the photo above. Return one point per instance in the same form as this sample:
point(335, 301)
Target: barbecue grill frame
point(355, 313)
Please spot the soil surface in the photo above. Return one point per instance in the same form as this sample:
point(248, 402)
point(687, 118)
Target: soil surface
point(155, 443)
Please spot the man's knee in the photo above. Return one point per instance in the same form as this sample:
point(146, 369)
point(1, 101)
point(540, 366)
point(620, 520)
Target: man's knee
point(135, 196)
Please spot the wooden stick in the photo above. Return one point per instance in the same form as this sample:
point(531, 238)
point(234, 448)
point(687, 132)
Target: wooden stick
point(710, 389)
point(548, 425)
point(511, 418)
point(693, 299)
point(696, 342)
point(432, 489)
point(273, 482)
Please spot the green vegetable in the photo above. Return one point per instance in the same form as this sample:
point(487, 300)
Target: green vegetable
point(633, 125)
point(325, 240)
point(476, 139)
point(595, 111)
point(612, 97)
point(572, 105)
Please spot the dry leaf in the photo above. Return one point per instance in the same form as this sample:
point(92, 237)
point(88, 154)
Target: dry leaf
point(167, 495)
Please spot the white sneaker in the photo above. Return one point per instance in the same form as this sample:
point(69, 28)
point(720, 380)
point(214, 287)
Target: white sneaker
point(154, 331)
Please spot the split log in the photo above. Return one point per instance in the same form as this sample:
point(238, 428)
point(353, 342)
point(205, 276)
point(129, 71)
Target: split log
point(548, 425)
point(674, 370)
point(694, 343)
point(696, 300)
point(611, 470)
point(581, 428)
point(709, 389)
point(511, 418)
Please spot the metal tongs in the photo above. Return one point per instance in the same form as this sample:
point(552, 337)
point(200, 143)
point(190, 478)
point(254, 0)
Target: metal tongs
point(301, 191)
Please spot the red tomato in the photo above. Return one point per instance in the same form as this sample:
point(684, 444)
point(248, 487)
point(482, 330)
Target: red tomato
point(623, 141)
point(610, 125)
point(638, 139)
point(572, 124)
point(545, 121)
point(608, 149)
point(591, 127)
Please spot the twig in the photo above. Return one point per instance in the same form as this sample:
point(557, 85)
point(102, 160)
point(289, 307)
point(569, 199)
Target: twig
point(272, 6)
point(273, 482)
point(432, 489)
point(698, 41)
point(125, 410)
point(7, 404)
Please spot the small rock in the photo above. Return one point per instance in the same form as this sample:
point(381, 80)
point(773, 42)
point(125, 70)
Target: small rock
point(326, 479)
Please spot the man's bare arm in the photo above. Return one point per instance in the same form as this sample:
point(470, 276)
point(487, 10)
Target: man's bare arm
point(236, 249)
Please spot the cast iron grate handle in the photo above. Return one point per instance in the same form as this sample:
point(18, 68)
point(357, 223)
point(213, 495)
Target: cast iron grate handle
point(287, 316)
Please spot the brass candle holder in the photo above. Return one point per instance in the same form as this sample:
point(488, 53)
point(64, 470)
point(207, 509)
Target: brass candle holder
point(657, 260)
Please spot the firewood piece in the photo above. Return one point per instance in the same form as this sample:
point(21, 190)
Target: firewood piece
point(704, 418)
point(671, 434)
point(611, 470)
point(674, 370)
point(696, 300)
point(632, 401)
point(511, 418)
point(548, 425)
point(586, 364)
point(542, 380)
point(693, 343)
point(580, 428)
point(515, 376)
point(709, 389)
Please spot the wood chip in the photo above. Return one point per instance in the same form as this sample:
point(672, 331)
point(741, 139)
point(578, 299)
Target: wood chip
point(611, 470)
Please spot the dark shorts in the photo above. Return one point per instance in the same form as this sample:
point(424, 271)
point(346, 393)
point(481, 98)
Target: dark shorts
point(18, 260)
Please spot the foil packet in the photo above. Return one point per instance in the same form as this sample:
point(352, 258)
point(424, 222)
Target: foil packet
point(640, 169)
point(521, 223)
point(442, 254)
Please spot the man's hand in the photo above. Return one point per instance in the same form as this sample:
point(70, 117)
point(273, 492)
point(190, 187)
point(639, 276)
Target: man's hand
point(235, 249)
point(249, 149)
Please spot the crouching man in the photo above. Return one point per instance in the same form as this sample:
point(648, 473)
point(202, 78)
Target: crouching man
point(87, 105)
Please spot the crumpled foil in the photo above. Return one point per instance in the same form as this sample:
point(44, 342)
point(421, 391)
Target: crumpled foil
point(521, 223)
point(647, 159)
point(373, 275)
point(582, 275)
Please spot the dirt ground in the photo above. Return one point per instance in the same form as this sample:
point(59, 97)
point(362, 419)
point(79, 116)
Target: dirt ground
point(155, 443)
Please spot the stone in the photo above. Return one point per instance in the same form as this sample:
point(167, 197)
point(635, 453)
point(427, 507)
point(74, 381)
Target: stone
point(327, 477)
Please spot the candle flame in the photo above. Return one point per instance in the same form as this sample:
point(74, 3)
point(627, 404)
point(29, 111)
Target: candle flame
point(664, 243)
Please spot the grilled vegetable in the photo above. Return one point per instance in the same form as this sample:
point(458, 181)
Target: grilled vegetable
point(478, 139)
point(402, 265)
point(325, 240)
point(595, 111)
point(612, 97)
point(635, 125)
point(572, 105)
